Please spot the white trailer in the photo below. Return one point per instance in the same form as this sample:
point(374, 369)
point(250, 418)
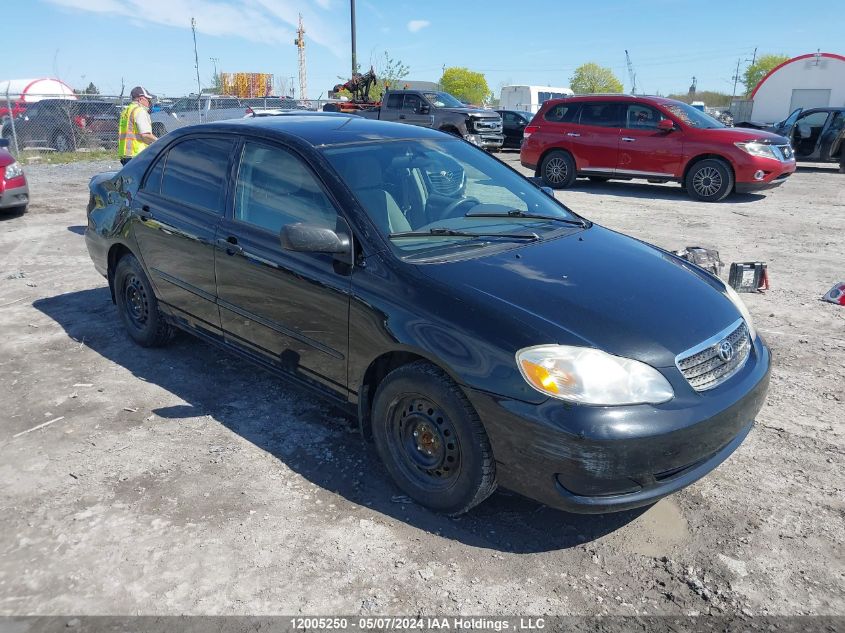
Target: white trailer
point(529, 98)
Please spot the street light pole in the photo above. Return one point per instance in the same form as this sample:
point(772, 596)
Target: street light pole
point(352, 20)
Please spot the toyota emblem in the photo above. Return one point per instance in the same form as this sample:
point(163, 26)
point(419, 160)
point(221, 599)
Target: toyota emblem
point(725, 351)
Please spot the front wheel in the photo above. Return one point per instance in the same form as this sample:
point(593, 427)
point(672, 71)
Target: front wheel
point(137, 305)
point(558, 170)
point(61, 142)
point(709, 180)
point(431, 440)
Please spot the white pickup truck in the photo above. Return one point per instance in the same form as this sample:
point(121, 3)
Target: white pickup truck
point(193, 109)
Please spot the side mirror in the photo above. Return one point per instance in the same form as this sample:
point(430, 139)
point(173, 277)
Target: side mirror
point(425, 109)
point(309, 238)
point(548, 191)
point(665, 125)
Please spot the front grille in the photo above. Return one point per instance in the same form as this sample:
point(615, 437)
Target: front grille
point(446, 183)
point(711, 363)
point(488, 125)
point(785, 151)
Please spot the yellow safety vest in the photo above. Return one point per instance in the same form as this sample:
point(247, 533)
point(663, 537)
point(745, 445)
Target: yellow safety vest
point(129, 143)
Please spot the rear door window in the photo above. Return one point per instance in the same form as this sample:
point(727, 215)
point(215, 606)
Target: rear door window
point(196, 173)
point(394, 101)
point(600, 114)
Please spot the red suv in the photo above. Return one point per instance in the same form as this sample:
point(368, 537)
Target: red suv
point(624, 137)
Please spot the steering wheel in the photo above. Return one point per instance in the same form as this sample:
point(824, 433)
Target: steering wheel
point(457, 203)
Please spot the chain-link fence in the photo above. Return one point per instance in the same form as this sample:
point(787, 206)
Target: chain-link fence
point(40, 124)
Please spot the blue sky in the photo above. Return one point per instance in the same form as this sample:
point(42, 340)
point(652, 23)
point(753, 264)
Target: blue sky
point(521, 42)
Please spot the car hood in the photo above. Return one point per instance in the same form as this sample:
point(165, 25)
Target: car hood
point(476, 112)
point(601, 289)
point(738, 134)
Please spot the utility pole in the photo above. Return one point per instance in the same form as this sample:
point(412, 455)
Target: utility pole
point(196, 62)
point(300, 44)
point(631, 74)
point(214, 61)
point(352, 21)
point(736, 79)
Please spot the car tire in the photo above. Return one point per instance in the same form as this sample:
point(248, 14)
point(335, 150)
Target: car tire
point(598, 178)
point(709, 180)
point(62, 143)
point(431, 440)
point(137, 305)
point(558, 169)
point(159, 130)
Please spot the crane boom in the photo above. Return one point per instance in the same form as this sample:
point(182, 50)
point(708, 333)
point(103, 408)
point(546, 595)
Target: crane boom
point(631, 74)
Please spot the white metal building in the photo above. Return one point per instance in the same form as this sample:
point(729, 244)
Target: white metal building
point(816, 80)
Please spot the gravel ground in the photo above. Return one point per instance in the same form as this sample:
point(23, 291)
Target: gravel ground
point(182, 481)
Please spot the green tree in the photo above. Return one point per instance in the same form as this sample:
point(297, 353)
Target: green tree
point(465, 84)
point(389, 73)
point(756, 71)
point(591, 78)
point(90, 90)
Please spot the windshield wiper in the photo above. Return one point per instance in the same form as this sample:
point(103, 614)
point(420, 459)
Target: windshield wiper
point(441, 232)
point(516, 213)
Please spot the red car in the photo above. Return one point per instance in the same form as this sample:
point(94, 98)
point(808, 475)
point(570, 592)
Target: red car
point(623, 137)
point(14, 191)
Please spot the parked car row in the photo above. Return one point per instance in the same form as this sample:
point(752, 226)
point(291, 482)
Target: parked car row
point(65, 125)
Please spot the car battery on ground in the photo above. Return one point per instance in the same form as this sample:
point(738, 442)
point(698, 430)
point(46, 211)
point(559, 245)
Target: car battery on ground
point(706, 258)
point(749, 276)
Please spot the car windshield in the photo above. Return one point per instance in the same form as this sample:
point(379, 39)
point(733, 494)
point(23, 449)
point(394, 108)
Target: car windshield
point(442, 100)
point(692, 116)
point(421, 193)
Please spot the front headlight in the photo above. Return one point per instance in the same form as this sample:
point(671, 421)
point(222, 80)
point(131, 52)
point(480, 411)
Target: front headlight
point(740, 305)
point(590, 376)
point(13, 171)
point(756, 148)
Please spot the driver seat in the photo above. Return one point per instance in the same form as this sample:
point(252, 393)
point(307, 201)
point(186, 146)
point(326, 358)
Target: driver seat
point(364, 177)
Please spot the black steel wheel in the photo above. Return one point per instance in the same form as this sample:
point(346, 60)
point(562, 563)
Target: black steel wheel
point(137, 305)
point(431, 440)
point(558, 169)
point(709, 180)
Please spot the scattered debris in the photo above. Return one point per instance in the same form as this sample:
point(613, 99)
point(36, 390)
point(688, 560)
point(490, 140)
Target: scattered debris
point(401, 499)
point(18, 275)
point(706, 258)
point(3, 305)
point(130, 409)
point(749, 276)
point(40, 426)
point(83, 384)
point(836, 294)
point(72, 475)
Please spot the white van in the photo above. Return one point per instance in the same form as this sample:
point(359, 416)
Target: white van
point(529, 98)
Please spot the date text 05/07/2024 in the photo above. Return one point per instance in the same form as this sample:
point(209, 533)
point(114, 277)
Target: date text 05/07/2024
point(417, 623)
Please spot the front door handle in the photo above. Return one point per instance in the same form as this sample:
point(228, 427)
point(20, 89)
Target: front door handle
point(230, 244)
point(572, 134)
point(628, 139)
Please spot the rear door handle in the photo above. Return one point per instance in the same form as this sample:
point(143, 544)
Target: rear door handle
point(628, 139)
point(572, 134)
point(230, 244)
point(146, 214)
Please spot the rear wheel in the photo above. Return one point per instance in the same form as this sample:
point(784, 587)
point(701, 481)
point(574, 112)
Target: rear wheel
point(159, 130)
point(137, 305)
point(62, 143)
point(709, 180)
point(558, 169)
point(431, 439)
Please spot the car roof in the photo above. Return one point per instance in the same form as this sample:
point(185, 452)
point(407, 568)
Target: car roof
point(612, 97)
point(319, 128)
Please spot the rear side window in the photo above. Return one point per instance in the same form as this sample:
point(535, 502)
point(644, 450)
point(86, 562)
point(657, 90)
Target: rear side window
point(196, 172)
point(561, 113)
point(394, 101)
point(601, 114)
point(152, 183)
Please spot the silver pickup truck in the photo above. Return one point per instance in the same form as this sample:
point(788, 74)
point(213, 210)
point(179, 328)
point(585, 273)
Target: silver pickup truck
point(193, 109)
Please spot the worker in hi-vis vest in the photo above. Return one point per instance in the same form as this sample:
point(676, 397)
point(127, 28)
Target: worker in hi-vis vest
point(135, 132)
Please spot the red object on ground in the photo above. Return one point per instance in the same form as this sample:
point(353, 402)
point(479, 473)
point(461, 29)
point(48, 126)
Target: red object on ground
point(836, 294)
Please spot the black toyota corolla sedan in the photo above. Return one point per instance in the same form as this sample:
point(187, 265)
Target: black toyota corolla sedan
point(482, 333)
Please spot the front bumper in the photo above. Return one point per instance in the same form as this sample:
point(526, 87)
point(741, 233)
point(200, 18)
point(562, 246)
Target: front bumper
point(774, 172)
point(14, 197)
point(605, 459)
point(486, 140)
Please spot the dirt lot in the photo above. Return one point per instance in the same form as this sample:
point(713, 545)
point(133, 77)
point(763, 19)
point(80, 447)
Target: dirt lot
point(182, 481)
